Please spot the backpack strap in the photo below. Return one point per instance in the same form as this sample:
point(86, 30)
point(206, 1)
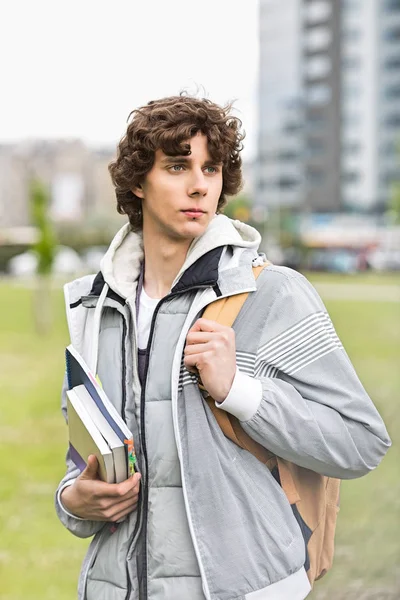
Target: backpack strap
point(225, 311)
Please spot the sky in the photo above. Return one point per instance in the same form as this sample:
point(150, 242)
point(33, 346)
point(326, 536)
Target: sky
point(76, 68)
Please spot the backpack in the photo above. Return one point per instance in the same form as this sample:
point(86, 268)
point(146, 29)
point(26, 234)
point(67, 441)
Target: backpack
point(314, 498)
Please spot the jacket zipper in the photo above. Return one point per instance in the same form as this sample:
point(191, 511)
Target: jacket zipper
point(123, 413)
point(139, 509)
point(179, 450)
point(198, 308)
point(145, 488)
point(123, 407)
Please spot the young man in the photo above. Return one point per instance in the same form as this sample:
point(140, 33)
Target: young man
point(204, 519)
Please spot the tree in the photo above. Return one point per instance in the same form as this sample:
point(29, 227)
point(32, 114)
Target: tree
point(238, 208)
point(45, 250)
point(394, 210)
point(394, 203)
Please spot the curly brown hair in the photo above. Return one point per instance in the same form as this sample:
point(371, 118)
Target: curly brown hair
point(168, 124)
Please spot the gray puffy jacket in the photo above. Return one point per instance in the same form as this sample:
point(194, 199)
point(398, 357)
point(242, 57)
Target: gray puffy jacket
point(213, 522)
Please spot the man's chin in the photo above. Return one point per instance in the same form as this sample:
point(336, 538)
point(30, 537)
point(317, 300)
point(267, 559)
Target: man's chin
point(193, 229)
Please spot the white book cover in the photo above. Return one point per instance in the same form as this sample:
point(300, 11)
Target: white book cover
point(86, 439)
point(78, 373)
point(113, 441)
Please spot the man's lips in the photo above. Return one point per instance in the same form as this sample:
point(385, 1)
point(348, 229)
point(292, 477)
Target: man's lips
point(193, 212)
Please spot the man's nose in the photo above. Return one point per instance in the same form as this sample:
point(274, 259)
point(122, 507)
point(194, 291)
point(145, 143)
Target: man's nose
point(199, 184)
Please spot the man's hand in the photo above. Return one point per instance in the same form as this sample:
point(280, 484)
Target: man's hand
point(90, 498)
point(211, 350)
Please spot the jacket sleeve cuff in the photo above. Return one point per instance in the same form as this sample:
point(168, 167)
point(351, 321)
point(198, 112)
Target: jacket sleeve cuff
point(244, 397)
point(66, 484)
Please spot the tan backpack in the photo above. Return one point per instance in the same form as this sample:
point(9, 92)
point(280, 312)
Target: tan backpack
point(315, 496)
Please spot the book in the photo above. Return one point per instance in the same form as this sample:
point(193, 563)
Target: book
point(79, 374)
point(86, 439)
point(114, 443)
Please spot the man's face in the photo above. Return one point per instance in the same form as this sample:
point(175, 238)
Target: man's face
point(180, 194)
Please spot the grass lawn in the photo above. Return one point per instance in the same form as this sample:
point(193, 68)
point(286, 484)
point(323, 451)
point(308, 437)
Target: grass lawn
point(39, 560)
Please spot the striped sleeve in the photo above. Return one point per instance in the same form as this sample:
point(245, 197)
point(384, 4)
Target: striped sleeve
point(300, 345)
point(314, 411)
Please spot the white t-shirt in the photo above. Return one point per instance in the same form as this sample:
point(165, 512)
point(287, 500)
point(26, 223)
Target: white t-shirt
point(147, 306)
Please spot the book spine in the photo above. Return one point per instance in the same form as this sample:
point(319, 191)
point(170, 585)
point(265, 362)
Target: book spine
point(131, 456)
point(68, 368)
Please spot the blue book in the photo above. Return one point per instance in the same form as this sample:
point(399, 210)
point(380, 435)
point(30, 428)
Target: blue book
point(78, 375)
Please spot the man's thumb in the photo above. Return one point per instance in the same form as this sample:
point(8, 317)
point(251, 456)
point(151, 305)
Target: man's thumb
point(90, 471)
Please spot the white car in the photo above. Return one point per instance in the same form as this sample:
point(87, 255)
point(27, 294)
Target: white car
point(66, 262)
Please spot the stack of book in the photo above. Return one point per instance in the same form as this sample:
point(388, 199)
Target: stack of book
point(94, 425)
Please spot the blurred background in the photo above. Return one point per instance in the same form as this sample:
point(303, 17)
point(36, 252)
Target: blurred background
point(317, 86)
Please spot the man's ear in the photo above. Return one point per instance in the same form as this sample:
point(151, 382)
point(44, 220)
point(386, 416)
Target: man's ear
point(138, 191)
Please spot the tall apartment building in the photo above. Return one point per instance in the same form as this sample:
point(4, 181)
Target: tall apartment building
point(320, 57)
point(279, 164)
point(388, 97)
point(346, 58)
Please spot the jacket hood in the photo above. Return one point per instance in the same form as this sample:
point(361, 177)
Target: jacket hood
point(120, 265)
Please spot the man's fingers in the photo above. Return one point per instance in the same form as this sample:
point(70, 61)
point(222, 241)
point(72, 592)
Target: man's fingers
point(199, 337)
point(120, 490)
point(132, 483)
point(197, 348)
point(90, 471)
point(207, 325)
point(197, 360)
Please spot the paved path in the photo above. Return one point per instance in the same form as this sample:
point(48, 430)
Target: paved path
point(352, 593)
point(358, 292)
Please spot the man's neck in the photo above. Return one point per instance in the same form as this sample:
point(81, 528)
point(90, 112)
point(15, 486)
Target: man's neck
point(163, 261)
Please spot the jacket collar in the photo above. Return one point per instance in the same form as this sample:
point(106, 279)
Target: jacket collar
point(203, 273)
point(220, 257)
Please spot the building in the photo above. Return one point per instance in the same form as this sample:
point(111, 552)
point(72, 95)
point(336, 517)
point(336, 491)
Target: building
point(279, 170)
point(77, 178)
point(388, 97)
point(335, 64)
point(321, 92)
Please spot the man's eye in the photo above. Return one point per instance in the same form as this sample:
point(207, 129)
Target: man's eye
point(212, 171)
point(176, 168)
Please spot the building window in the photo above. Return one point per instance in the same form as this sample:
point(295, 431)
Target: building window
point(351, 148)
point(318, 38)
point(392, 35)
point(351, 119)
point(291, 127)
point(393, 120)
point(390, 149)
point(392, 63)
point(315, 147)
point(318, 94)
point(391, 5)
point(287, 183)
point(315, 175)
point(266, 184)
point(392, 92)
point(318, 11)
point(351, 92)
point(288, 155)
point(389, 177)
point(318, 66)
point(315, 122)
point(315, 143)
point(351, 177)
point(351, 35)
point(351, 5)
point(351, 62)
